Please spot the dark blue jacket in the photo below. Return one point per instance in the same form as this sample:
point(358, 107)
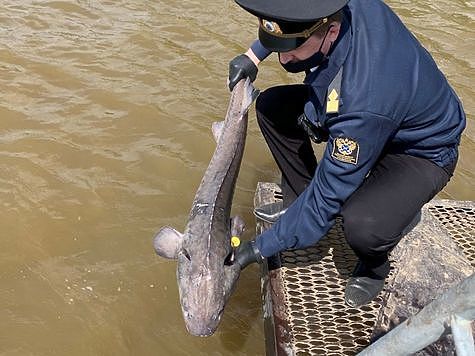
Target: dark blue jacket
point(393, 99)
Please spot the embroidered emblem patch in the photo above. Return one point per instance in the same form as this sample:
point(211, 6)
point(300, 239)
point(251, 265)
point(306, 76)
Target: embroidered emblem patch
point(346, 150)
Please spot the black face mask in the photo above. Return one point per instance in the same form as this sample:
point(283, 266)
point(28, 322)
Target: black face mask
point(311, 62)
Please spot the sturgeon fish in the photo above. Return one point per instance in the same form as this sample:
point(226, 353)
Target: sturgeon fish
point(205, 275)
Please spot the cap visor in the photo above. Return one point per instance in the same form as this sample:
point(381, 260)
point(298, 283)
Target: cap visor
point(279, 44)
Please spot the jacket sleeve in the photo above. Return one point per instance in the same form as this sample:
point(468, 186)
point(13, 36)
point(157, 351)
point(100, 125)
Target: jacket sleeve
point(259, 50)
point(356, 141)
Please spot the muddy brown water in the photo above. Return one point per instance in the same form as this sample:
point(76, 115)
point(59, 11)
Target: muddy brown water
point(105, 114)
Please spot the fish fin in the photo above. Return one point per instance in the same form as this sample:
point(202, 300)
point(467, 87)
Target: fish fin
point(231, 277)
point(237, 226)
point(167, 242)
point(217, 128)
point(255, 94)
point(252, 94)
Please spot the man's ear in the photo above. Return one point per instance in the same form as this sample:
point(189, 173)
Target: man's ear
point(333, 31)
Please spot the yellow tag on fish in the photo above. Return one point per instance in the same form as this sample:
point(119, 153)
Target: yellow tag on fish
point(235, 241)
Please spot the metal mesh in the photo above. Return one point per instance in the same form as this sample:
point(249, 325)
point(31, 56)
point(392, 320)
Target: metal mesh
point(459, 220)
point(314, 281)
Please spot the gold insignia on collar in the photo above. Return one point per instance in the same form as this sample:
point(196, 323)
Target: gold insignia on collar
point(345, 150)
point(271, 26)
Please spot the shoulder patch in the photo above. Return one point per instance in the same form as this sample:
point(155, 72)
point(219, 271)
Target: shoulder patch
point(346, 150)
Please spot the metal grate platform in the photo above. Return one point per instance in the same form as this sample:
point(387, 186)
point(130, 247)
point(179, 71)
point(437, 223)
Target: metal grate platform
point(458, 218)
point(314, 280)
point(303, 290)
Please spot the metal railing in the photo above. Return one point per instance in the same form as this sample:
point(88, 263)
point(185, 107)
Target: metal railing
point(455, 310)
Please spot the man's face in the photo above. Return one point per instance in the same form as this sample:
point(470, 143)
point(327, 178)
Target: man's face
point(306, 50)
point(311, 46)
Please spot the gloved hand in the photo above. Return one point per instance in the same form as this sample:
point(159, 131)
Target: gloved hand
point(248, 253)
point(241, 67)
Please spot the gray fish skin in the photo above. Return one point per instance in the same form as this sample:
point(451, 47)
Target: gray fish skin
point(205, 281)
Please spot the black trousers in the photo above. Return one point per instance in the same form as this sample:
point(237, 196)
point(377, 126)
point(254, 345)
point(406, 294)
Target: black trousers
point(377, 213)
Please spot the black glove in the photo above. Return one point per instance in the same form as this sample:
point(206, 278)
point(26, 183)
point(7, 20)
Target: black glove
point(316, 133)
point(248, 253)
point(241, 67)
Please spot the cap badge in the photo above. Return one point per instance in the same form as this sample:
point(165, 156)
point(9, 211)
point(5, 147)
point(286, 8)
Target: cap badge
point(271, 26)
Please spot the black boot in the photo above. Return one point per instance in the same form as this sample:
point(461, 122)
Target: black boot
point(362, 287)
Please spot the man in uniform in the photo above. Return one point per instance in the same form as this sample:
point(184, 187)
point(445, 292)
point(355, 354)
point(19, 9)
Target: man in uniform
point(390, 120)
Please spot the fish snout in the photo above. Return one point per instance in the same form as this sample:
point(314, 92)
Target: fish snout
point(201, 325)
point(202, 304)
